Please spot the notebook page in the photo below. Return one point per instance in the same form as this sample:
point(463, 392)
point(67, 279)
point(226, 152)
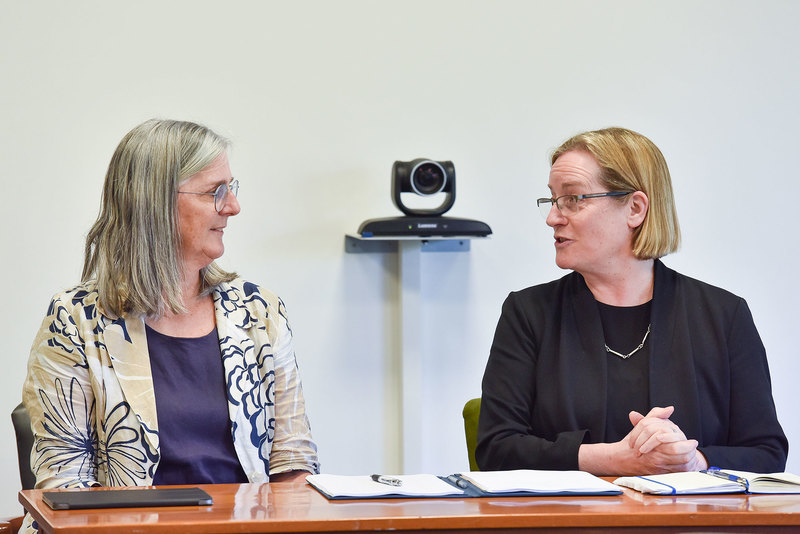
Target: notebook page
point(538, 481)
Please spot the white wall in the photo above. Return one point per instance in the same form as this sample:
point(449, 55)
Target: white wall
point(321, 97)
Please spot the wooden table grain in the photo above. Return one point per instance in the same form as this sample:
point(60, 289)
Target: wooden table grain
point(297, 507)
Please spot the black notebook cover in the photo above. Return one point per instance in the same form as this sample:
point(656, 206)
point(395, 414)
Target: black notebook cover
point(125, 498)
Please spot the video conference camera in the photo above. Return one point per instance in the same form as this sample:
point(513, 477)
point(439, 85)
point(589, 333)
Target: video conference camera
point(425, 178)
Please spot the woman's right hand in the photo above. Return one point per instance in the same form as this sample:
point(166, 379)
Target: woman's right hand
point(654, 445)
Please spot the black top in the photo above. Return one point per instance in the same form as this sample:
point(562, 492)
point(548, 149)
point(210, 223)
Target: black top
point(195, 438)
point(545, 390)
point(628, 386)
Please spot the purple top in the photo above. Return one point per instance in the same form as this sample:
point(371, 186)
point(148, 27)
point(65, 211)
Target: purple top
point(196, 441)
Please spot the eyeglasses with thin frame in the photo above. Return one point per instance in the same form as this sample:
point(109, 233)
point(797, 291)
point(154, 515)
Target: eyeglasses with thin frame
point(569, 204)
point(220, 194)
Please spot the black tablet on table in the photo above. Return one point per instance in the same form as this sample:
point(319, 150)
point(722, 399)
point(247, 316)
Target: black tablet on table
point(126, 498)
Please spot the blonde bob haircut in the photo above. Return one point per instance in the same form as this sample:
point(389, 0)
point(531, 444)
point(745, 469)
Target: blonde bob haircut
point(631, 162)
point(133, 249)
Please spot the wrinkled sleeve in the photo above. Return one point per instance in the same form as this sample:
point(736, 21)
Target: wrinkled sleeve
point(58, 396)
point(756, 441)
point(59, 400)
point(506, 439)
point(293, 448)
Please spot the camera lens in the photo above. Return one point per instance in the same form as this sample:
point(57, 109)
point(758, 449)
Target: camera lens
point(427, 178)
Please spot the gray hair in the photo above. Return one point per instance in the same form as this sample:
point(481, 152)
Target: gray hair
point(133, 248)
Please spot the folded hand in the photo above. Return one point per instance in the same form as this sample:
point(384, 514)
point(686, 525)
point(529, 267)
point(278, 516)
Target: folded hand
point(661, 445)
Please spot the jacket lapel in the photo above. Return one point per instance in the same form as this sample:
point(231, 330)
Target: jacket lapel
point(672, 370)
point(587, 359)
point(126, 342)
point(243, 345)
point(234, 322)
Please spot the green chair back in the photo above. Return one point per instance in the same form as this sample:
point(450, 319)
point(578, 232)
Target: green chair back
point(471, 413)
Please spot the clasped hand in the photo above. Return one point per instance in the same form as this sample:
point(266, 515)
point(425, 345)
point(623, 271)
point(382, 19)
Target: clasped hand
point(657, 445)
point(654, 445)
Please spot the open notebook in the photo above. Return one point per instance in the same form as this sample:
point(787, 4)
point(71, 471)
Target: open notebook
point(526, 482)
point(363, 487)
point(696, 482)
point(470, 484)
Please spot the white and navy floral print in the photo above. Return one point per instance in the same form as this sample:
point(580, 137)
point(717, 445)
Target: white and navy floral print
point(89, 392)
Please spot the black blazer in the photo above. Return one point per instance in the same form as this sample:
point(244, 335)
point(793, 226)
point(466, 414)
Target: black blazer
point(544, 389)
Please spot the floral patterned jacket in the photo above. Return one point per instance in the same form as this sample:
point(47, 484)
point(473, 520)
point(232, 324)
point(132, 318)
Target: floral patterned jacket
point(89, 392)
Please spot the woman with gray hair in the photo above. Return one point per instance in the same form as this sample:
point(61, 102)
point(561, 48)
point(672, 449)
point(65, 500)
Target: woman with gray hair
point(161, 367)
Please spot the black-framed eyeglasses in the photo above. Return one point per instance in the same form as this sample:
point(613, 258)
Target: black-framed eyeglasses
point(569, 204)
point(220, 194)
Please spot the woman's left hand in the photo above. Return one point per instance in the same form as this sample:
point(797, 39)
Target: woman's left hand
point(655, 436)
point(653, 429)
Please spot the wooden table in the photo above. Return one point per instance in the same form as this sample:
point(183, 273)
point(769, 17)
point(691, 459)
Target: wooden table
point(297, 507)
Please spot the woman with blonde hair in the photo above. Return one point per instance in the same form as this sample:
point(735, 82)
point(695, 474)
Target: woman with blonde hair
point(160, 367)
point(624, 366)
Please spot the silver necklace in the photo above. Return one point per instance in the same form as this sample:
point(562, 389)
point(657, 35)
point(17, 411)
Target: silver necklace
point(634, 351)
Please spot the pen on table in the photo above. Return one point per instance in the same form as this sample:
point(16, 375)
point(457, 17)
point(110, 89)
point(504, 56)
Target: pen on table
point(457, 481)
point(716, 472)
point(389, 481)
